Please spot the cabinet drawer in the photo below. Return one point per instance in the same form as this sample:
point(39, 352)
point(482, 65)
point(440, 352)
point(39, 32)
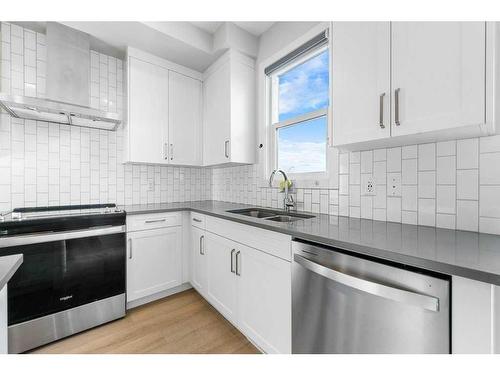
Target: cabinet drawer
point(270, 242)
point(198, 220)
point(153, 221)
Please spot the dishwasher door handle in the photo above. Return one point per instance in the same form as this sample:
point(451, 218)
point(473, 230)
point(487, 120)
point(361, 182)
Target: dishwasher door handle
point(380, 290)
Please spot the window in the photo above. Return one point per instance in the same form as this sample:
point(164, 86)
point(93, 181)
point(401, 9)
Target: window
point(299, 95)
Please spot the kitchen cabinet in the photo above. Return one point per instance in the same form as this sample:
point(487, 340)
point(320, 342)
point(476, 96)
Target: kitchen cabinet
point(154, 261)
point(198, 260)
point(264, 298)
point(361, 81)
point(438, 75)
point(229, 111)
point(437, 78)
point(221, 282)
point(184, 121)
point(147, 125)
point(249, 286)
point(164, 112)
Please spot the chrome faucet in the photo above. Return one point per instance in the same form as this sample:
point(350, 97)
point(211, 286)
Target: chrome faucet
point(288, 202)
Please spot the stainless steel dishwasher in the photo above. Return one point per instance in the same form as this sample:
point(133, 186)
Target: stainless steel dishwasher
point(344, 303)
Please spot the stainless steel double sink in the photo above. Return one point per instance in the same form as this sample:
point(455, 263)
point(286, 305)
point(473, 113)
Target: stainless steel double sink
point(271, 215)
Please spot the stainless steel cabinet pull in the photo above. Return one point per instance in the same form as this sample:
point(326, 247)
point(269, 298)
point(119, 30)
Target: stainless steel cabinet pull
point(197, 220)
point(381, 120)
point(396, 106)
point(171, 151)
point(202, 250)
point(130, 248)
point(380, 290)
point(154, 221)
point(165, 151)
point(226, 149)
point(238, 264)
point(232, 268)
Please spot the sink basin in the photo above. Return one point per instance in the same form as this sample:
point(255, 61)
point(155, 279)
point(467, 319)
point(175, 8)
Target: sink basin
point(272, 215)
point(284, 218)
point(254, 212)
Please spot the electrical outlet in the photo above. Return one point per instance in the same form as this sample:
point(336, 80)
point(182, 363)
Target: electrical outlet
point(394, 184)
point(151, 184)
point(368, 184)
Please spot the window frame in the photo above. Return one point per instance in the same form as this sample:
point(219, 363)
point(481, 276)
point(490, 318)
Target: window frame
point(273, 125)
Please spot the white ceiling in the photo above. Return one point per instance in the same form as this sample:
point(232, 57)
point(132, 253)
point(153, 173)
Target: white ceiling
point(256, 28)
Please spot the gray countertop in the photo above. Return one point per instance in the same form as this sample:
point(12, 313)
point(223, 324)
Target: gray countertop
point(8, 266)
point(461, 253)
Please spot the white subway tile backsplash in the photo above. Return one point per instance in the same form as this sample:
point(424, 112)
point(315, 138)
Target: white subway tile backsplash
point(427, 212)
point(427, 157)
point(409, 172)
point(409, 152)
point(467, 215)
point(366, 161)
point(489, 144)
point(489, 201)
point(445, 221)
point(409, 198)
point(427, 184)
point(394, 209)
point(447, 148)
point(467, 153)
point(446, 199)
point(490, 168)
point(467, 184)
point(409, 217)
point(380, 154)
point(446, 170)
point(394, 159)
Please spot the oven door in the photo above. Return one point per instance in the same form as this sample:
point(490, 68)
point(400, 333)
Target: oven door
point(62, 270)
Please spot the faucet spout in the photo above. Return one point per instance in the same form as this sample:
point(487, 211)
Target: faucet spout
point(288, 201)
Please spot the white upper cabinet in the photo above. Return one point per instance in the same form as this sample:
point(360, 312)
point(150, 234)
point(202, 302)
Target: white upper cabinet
point(437, 78)
point(361, 81)
point(438, 75)
point(147, 125)
point(164, 112)
point(229, 111)
point(184, 121)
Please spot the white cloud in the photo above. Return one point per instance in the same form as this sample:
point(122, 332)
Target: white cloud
point(297, 157)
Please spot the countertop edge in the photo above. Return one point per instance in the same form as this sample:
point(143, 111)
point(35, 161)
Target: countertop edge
point(9, 264)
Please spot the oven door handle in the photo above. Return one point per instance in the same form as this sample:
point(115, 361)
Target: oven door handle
point(379, 290)
point(60, 236)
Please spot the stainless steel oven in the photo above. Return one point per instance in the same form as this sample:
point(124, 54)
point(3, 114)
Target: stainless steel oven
point(72, 277)
point(346, 303)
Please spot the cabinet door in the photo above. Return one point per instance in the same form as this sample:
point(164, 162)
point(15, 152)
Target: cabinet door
point(264, 298)
point(184, 123)
point(361, 81)
point(217, 116)
point(221, 281)
point(154, 261)
point(438, 75)
point(199, 260)
point(148, 112)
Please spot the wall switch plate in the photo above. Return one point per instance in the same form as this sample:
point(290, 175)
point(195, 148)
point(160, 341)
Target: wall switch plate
point(394, 184)
point(367, 184)
point(151, 184)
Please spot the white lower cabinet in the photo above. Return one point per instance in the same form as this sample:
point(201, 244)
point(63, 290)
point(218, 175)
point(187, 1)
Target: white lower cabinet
point(154, 261)
point(222, 283)
point(252, 289)
point(264, 299)
point(199, 260)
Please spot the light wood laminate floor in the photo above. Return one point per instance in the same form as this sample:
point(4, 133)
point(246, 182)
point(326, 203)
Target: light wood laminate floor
point(182, 323)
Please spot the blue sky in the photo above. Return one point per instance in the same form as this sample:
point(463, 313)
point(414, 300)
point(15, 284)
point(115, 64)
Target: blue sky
point(303, 89)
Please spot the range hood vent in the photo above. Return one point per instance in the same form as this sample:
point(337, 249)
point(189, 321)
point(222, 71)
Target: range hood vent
point(68, 60)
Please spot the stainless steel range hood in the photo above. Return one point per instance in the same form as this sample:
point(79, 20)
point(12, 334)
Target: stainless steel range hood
point(68, 72)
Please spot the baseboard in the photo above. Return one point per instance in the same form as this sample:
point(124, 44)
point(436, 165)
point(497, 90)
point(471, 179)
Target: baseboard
point(154, 297)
